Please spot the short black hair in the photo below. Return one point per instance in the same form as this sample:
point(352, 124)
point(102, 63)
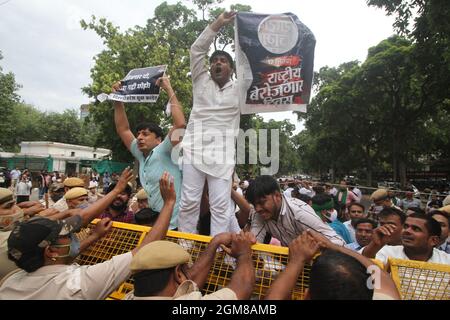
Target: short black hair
point(337, 276)
point(304, 197)
point(222, 53)
point(113, 185)
point(390, 211)
point(364, 220)
point(433, 227)
point(261, 187)
point(146, 216)
point(150, 282)
point(321, 198)
point(354, 203)
point(152, 127)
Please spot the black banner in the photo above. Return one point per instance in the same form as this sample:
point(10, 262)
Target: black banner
point(275, 61)
point(138, 86)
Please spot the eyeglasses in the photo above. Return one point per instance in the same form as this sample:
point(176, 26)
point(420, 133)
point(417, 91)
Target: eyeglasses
point(356, 211)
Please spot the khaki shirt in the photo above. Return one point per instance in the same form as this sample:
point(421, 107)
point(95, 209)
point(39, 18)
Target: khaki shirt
point(60, 205)
point(6, 265)
point(68, 282)
point(188, 290)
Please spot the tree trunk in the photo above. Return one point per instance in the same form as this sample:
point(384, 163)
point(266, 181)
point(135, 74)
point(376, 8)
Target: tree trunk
point(402, 172)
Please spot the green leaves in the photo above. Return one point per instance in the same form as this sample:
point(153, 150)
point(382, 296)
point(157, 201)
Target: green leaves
point(373, 116)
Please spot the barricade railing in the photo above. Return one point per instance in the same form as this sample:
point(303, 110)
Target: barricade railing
point(417, 280)
point(269, 260)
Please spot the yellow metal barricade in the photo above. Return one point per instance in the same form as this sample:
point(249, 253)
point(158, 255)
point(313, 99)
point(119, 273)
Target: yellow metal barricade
point(417, 280)
point(268, 260)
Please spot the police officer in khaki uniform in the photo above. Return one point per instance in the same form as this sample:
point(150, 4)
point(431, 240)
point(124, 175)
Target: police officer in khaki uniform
point(69, 183)
point(77, 198)
point(380, 199)
point(9, 215)
point(44, 249)
point(161, 270)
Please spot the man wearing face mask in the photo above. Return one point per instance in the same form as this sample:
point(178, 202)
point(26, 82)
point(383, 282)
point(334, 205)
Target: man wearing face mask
point(69, 183)
point(44, 249)
point(55, 193)
point(77, 198)
point(11, 214)
point(323, 205)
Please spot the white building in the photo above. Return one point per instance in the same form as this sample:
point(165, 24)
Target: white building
point(67, 158)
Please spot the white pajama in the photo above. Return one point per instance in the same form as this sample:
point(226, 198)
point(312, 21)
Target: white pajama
point(219, 200)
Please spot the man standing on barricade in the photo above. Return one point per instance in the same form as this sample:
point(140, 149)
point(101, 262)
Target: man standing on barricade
point(209, 141)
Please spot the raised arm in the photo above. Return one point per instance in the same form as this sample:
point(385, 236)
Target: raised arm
point(243, 278)
point(100, 229)
point(159, 229)
point(121, 120)
point(200, 47)
point(222, 20)
point(301, 251)
point(200, 269)
point(178, 120)
point(386, 284)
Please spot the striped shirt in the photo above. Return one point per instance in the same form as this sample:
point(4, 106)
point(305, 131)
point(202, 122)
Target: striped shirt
point(295, 217)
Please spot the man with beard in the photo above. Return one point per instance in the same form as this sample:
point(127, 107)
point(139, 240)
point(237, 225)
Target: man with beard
point(209, 141)
point(55, 192)
point(118, 209)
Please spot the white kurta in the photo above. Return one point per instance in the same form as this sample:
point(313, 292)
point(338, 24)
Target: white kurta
point(209, 140)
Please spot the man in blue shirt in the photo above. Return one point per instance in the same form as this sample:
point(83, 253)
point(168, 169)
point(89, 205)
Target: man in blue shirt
point(151, 150)
point(323, 205)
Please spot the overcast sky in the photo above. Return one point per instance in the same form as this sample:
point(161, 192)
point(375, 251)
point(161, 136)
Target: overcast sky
point(51, 56)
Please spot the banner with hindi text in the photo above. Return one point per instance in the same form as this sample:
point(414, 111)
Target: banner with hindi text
point(138, 86)
point(274, 62)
